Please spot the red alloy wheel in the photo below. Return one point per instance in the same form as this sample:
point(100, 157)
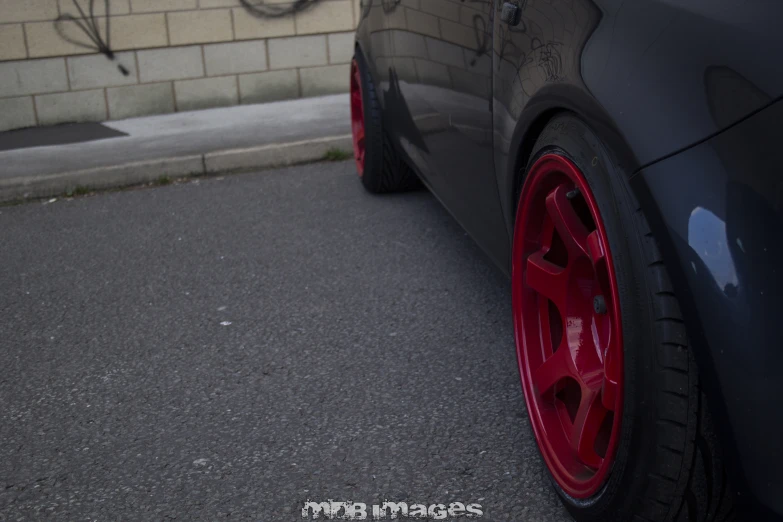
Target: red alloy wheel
point(357, 116)
point(567, 326)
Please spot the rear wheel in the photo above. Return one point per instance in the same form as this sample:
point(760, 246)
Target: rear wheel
point(379, 165)
point(610, 385)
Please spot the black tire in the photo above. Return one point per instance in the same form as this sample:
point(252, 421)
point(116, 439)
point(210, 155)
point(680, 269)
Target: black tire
point(384, 168)
point(668, 465)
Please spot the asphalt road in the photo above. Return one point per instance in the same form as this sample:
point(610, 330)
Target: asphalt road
point(233, 347)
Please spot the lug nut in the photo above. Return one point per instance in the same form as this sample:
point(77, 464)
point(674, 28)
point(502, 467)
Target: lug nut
point(599, 304)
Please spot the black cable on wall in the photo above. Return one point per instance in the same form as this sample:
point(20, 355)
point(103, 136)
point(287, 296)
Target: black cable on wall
point(262, 9)
point(87, 23)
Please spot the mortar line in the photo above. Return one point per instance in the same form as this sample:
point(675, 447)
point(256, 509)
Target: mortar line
point(268, 56)
point(35, 111)
point(174, 96)
point(168, 32)
point(26, 44)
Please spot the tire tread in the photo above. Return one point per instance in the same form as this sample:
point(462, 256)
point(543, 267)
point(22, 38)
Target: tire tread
point(697, 499)
point(390, 172)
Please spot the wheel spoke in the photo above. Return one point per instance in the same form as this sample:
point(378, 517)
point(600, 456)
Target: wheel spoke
point(571, 229)
point(588, 422)
point(544, 318)
point(547, 233)
point(595, 248)
point(554, 368)
point(547, 279)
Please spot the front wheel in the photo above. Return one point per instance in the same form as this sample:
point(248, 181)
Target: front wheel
point(609, 382)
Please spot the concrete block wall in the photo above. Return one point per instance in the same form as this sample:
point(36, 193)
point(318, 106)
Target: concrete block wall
point(175, 55)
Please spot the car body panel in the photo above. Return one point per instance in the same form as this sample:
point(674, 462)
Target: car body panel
point(440, 110)
point(717, 211)
point(651, 77)
point(662, 83)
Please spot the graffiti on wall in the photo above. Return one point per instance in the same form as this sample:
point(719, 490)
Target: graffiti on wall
point(92, 31)
point(88, 23)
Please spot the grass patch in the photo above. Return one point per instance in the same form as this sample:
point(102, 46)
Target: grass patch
point(337, 155)
point(78, 190)
point(164, 180)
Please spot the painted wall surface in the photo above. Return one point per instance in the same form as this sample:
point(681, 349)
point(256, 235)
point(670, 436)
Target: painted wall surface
point(66, 60)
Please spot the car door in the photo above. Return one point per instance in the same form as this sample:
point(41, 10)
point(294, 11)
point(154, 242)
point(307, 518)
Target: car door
point(439, 98)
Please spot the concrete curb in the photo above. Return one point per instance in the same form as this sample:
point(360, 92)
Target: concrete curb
point(129, 174)
point(275, 155)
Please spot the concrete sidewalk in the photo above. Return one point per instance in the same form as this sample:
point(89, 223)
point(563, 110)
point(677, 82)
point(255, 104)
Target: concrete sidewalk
point(143, 150)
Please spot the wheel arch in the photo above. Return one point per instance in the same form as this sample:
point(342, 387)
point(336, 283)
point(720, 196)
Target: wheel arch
point(525, 150)
point(541, 109)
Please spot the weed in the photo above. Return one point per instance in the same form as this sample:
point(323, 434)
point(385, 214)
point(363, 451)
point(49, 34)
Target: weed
point(337, 155)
